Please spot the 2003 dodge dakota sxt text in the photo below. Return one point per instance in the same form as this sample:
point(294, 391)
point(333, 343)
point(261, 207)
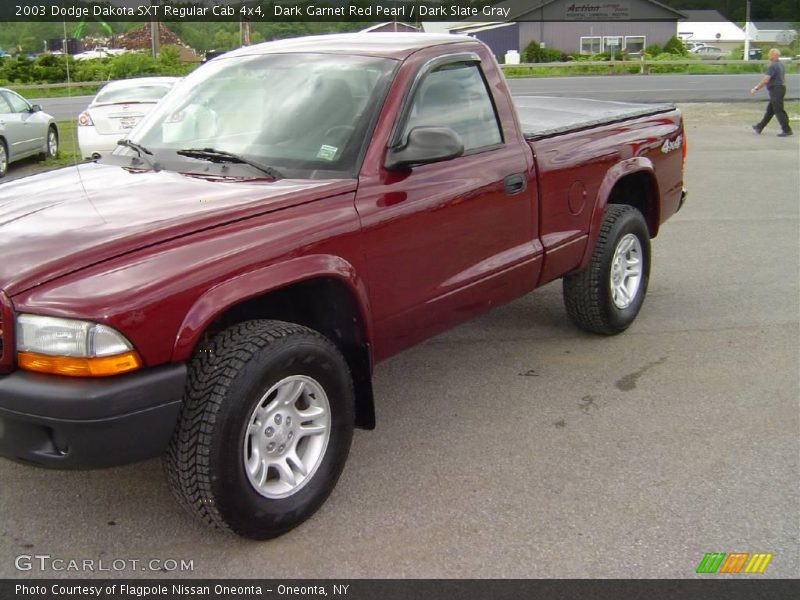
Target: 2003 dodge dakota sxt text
point(219, 289)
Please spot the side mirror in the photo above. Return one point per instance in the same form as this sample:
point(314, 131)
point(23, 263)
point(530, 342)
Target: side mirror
point(425, 145)
point(36, 108)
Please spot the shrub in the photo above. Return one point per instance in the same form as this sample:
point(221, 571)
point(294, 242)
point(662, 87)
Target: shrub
point(169, 57)
point(618, 55)
point(664, 56)
point(737, 53)
point(533, 54)
point(551, 55)
point(17, 69)
point(133, 64)
point(49, 68)
point(675, 46)
point(654, 50)
point(96, 69)
point(530, 52)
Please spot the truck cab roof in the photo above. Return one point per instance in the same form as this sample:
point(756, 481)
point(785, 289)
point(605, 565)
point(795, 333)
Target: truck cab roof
point(380, 44)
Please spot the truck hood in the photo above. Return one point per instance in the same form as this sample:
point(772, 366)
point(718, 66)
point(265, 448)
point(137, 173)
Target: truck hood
point(62, 221)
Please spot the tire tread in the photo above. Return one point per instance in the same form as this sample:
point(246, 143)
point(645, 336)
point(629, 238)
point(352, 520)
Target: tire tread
point(212, 370)
point(582, 290)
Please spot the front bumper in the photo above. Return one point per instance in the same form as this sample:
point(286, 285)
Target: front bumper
point(81, 423)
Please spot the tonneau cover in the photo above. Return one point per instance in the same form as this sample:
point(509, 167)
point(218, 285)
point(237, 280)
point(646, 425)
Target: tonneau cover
point(542, 116)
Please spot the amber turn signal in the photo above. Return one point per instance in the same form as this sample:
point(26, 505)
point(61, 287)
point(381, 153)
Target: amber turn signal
point(73, 366)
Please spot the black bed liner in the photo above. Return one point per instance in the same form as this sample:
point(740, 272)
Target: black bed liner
point(543, 116)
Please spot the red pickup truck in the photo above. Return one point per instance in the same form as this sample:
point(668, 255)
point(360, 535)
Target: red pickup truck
point(219, 289)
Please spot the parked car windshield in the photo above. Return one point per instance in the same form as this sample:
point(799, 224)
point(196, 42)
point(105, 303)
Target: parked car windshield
point(305, 115)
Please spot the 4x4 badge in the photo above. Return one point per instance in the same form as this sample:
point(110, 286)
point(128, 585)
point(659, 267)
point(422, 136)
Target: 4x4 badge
point(669, 146)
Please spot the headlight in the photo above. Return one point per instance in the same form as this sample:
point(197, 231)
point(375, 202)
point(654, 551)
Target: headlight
point(72, 347)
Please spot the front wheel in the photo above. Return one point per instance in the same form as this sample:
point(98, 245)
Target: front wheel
point(606, 296)
point(51, 144)
point(265, 428)
point(3, 159)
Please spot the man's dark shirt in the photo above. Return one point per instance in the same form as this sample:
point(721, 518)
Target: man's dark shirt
point(776, 71)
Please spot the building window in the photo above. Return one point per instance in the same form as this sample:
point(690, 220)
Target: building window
point(591, 45)
point(635, 43)
point(612, 43)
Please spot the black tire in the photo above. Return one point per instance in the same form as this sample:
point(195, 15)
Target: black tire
point(3, 158)
point(52, 150)
point(588, 293)
point(228, 379)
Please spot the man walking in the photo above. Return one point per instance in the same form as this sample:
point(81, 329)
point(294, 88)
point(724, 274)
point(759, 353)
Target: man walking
point(775, 82)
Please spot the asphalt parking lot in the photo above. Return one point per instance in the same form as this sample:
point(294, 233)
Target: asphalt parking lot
point(517, 446)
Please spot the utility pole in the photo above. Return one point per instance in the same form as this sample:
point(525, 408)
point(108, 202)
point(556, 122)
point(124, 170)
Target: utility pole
point(244, 29)
point(747, 30)
point(155, 32)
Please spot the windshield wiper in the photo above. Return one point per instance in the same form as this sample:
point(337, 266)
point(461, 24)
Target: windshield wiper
point(140, 151)
point(223, 156)
point(134, 146)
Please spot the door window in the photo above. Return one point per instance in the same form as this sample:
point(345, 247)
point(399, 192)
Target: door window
point(455, 96)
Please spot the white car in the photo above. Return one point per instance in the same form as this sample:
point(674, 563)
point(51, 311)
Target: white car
point(98, 52)
point(116, 109)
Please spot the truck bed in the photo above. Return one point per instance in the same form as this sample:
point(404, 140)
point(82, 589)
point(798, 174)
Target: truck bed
point(543, 116)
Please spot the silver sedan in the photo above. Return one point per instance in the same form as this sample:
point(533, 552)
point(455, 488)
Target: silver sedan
point(24, 130)
point(710, 53)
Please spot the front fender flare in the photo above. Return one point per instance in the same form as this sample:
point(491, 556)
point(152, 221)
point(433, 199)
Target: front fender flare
point(216, 300)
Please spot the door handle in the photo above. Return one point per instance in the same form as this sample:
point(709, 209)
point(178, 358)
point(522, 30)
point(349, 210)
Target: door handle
point(514, 184)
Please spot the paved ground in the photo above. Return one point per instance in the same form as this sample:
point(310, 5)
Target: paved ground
point(655, 88)
point(515, 446)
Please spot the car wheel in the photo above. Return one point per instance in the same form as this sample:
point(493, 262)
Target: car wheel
point(606, 296)
point(264, 430)
point(52, 144)
point(3, 158)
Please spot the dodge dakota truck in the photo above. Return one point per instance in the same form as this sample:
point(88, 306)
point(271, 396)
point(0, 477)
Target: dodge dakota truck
point(218, 290)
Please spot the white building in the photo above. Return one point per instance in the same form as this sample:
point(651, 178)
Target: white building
point(779, 33)
point(575, 26)
point(710, 28)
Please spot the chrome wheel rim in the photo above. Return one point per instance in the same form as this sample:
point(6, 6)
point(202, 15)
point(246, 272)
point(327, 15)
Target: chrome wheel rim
point(52, 143)
point(626, 271)
point(287, 435)
point(3, 159)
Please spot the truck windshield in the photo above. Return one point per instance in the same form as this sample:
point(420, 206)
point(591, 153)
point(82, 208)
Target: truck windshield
point(306, 115)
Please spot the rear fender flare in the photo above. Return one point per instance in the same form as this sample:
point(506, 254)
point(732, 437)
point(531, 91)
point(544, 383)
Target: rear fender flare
point(624, 168)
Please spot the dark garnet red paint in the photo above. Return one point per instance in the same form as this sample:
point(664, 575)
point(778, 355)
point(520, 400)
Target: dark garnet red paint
point(159, 256)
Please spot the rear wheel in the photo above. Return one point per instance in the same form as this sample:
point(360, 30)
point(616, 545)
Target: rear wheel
point(265, 428)
point(606, 296)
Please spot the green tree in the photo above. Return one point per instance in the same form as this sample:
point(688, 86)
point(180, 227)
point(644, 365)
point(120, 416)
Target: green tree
point(133, 64)
point(675, 46)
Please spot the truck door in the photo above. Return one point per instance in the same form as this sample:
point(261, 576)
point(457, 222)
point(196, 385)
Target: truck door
point(447, 240)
